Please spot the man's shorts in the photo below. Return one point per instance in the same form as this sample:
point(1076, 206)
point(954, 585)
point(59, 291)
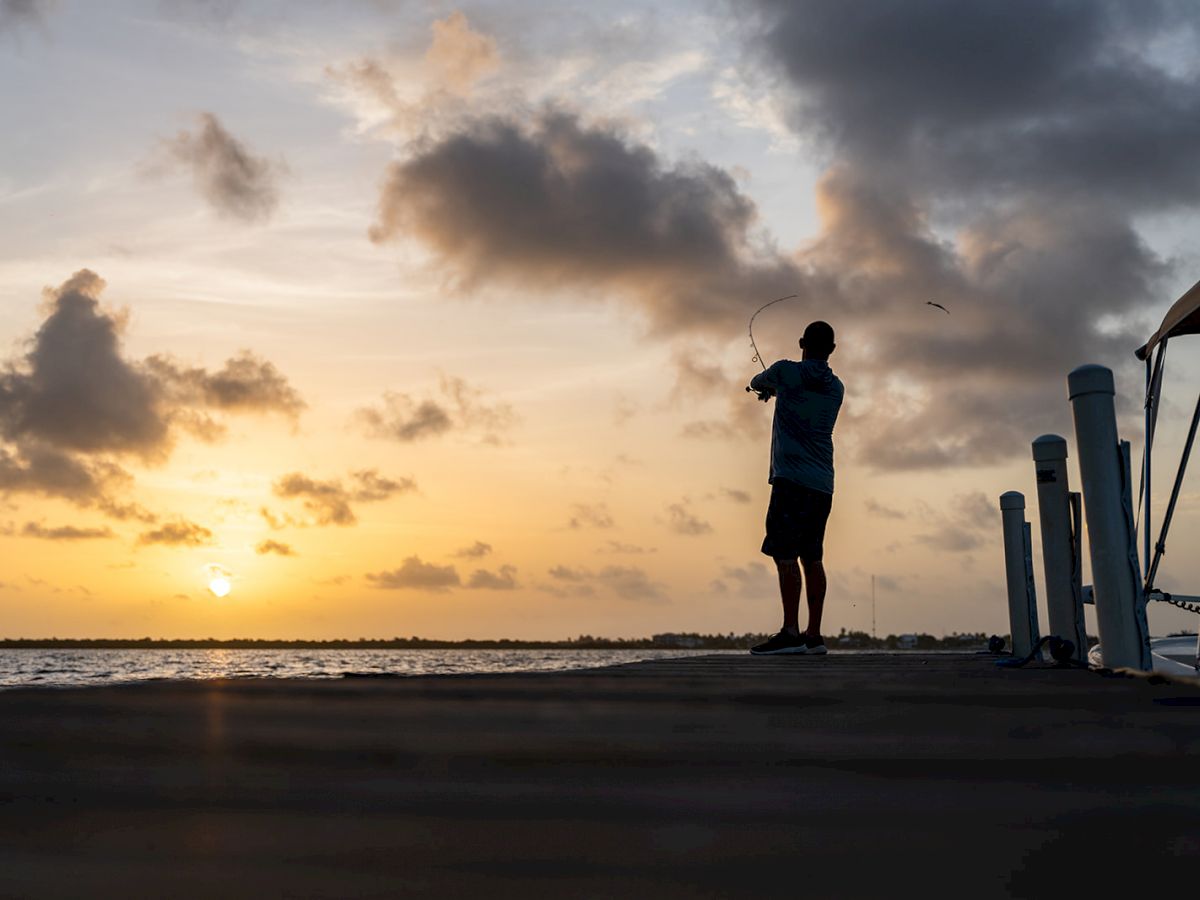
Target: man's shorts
point(796, 518)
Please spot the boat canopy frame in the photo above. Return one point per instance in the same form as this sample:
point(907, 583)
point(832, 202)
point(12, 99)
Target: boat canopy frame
point(1182, 318)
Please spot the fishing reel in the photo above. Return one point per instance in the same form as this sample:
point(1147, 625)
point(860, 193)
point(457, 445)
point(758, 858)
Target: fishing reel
point(764, 396)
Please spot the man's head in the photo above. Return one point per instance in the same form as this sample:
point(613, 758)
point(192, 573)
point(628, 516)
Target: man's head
point(817, 342)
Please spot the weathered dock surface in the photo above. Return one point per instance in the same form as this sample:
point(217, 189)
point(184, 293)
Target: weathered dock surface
point(722, 776)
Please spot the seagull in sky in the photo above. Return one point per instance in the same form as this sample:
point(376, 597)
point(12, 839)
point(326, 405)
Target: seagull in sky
point(938, 305)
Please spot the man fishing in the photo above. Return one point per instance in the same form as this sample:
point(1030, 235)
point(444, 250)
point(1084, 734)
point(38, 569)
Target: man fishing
point(807, 399)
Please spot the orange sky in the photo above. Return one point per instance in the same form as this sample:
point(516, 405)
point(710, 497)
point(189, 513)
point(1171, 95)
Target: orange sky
point(434, 323)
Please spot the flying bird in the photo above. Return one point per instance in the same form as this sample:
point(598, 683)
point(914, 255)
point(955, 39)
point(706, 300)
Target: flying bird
point(938, 305)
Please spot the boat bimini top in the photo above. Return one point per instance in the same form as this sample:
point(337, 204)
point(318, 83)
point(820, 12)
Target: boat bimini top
point(1181, 319)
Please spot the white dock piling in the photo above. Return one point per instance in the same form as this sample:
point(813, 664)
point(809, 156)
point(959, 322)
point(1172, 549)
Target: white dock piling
point(1018, 571)
point(1060, 542)
point(1120, 608)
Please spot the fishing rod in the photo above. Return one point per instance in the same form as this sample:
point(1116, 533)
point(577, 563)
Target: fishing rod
point(758, 356)
point(764, 397)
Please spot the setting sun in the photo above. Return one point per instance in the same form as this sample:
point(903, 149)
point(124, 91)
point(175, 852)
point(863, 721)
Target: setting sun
point(220, 586)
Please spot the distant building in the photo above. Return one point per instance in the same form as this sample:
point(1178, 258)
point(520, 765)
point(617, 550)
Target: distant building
point(906, 641)
point(687, 641)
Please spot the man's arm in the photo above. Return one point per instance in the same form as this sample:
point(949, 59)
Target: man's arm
point(764, 383)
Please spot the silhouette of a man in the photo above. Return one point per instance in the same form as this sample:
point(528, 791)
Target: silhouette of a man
point(807, 399)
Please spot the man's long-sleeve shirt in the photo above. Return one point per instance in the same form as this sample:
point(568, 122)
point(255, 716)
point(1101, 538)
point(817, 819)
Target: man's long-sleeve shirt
point(807, 399)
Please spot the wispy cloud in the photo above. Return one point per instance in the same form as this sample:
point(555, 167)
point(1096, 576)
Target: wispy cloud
point(15, 14)
point(329, 501)
point(875, 508)
point(590, 515)
point(623, 547)
point(630, 583)
point(245, 383)
point(626, 582)
point(752, 581)
point(681, 520)
point(277, 547)
point(967, 525)
point(505, 579)
point(403, 98)
point(476, 550)
point(236, 183)
point(415, 574)
point(180, 533)
point(459, 55)
point(64, 532)
point(456, 406)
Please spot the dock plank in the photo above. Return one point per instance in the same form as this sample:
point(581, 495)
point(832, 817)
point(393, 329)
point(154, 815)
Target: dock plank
point(852, 775)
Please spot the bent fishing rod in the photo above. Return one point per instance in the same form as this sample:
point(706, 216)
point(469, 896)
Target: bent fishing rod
point(764, 396)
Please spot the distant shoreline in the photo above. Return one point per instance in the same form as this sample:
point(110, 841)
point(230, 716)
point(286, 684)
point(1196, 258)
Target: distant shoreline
point(851, 640)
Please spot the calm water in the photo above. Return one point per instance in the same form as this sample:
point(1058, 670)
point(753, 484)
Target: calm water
point(63, 668)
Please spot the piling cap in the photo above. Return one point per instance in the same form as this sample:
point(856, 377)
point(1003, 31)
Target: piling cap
point(1090, 379)
point(1012, 500)
point(1049, 448)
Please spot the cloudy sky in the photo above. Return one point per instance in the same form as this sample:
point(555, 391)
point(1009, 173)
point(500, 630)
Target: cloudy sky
point(425, 318)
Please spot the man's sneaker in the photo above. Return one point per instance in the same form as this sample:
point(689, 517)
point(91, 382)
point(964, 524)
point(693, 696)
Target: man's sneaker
point(814, 645)
point(784, 642)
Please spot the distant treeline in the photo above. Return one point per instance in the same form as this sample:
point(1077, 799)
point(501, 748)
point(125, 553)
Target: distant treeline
point(855, 640)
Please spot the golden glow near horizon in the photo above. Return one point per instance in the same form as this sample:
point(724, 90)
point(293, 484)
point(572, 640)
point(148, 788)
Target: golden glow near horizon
point(379, 322)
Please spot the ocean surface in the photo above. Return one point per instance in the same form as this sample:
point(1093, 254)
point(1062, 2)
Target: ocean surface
point(73, 668)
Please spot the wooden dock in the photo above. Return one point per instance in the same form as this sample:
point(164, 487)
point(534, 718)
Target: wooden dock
point(856, 775)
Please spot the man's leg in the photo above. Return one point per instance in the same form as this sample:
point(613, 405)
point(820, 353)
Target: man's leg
point(814, 572)
point(789, 593)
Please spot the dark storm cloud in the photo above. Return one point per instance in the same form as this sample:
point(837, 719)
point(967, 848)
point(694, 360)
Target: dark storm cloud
point(557, 203)
point(64, 532)
point(416, 574)
point(995, 157)
point(999, 94)
point(180, 533)
point(236, 183)
point(75, 391)
point(74, 402)
point(456, 406)
point(329, 501)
